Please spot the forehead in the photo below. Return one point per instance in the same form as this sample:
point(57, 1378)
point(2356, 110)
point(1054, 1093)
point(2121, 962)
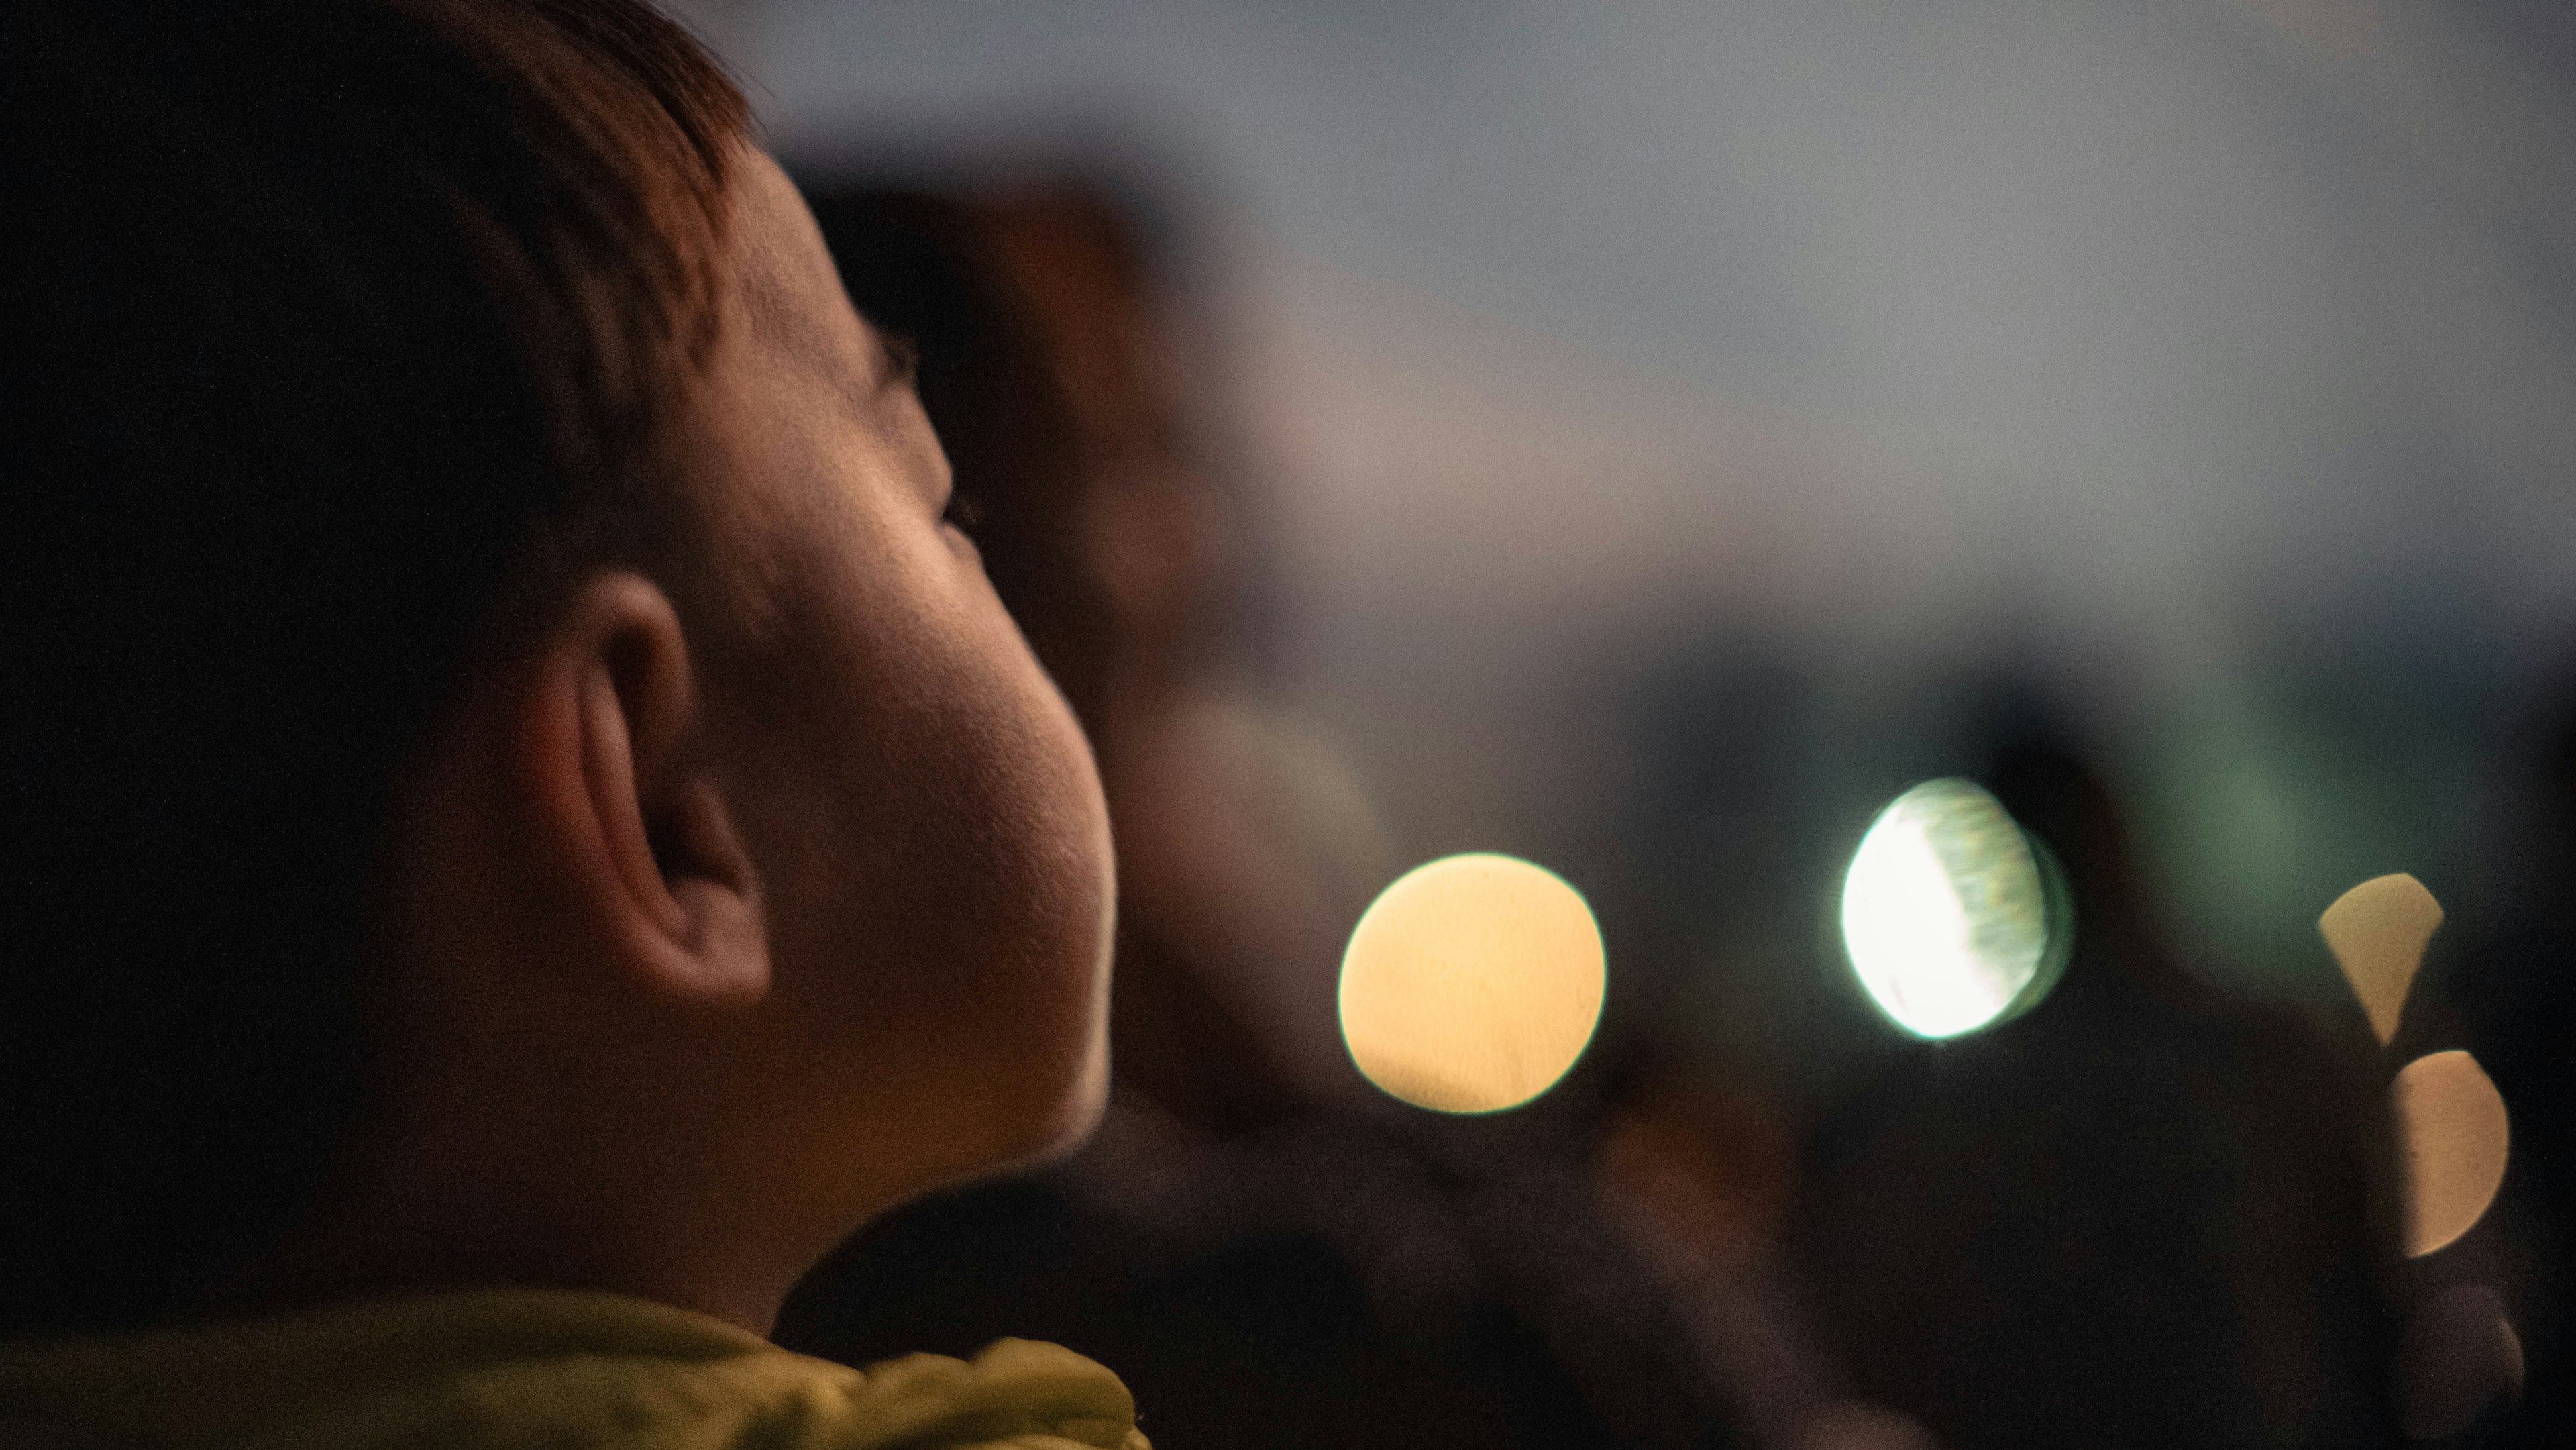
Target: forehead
point(789, 295)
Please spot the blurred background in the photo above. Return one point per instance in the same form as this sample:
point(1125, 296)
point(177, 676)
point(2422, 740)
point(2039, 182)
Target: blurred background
point(1644, 438)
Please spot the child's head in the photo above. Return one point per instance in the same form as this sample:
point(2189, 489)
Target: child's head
point(508, 776)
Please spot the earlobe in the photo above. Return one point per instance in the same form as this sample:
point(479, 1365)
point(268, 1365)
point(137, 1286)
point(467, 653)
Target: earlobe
point(618, 749)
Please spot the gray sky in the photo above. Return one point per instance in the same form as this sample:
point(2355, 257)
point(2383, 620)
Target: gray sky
point(2163, 340)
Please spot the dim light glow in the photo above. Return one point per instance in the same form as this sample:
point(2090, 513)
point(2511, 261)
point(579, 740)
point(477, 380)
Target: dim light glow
point(2459, 1358)
point(2377, 932)
point(2452, 1128)
point(1472, 984)
point(1946, 912)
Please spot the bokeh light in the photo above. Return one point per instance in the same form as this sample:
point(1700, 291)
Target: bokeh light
point(2377, 932)
point(1472, 984)
point(2459, 1358)
point(2451, 1125)
point(1950, 917)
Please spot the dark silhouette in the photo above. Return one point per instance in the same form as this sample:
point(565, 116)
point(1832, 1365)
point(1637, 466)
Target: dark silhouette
point(2141, 1214)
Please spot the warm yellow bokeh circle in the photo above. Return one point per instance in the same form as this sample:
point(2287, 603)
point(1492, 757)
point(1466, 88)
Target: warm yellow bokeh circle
point(1472, 984)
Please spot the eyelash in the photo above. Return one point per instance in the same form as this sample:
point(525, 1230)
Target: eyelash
point(903, 357)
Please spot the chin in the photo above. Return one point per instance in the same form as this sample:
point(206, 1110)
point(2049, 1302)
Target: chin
point(1034, 1095)
point(1082, 1106)
point(1041, 1137)
point(1076, 1090)
point(1061, 1112)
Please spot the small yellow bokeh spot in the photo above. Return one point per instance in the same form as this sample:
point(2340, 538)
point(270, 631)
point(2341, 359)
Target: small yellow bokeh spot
point(1472, 984)
point(2452, 1129)
point(2377, 932)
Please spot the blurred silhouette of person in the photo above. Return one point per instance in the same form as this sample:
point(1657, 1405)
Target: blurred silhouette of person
point(1270, 1257)
point(2510, 997)
point(2140, 1214)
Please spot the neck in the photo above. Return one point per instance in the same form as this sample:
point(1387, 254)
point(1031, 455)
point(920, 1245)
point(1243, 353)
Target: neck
point(428, 1224)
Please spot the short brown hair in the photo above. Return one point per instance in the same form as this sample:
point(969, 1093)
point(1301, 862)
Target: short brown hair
point(321, 311)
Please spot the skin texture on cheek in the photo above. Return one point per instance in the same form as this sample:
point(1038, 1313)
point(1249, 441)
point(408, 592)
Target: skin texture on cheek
point(948, 910)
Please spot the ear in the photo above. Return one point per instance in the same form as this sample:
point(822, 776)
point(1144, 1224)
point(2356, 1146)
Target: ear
point(615, 750)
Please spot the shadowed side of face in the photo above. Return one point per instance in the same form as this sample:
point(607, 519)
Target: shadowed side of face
point(919, 803)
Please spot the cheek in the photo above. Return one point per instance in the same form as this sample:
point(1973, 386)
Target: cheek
point(965, 933)
point(1015, 838)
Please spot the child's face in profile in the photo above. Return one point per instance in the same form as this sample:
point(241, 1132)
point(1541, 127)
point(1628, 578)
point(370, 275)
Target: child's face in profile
point(918, 801)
